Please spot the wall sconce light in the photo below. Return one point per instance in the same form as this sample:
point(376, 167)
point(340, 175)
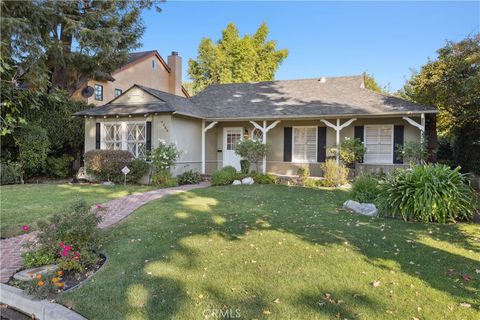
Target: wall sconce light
point(245, 134)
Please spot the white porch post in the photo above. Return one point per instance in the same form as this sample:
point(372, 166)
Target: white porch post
point(204, 130)
point(337, 129)
point(264, 130)
point(420, 126)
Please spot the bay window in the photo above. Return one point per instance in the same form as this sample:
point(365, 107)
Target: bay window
point(130, 136)
point(304, 144)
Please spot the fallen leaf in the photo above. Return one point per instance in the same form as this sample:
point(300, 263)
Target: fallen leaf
point(376, 283)
point(465, 305)
point(266, 312)
point(467, 278)
point(276, 300)
point(477, 270)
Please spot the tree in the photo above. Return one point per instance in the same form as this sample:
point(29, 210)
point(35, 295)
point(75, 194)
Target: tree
point(371, 83)
point(63, 43)
point(236, 59)
point(451, 83)
point(251, 150)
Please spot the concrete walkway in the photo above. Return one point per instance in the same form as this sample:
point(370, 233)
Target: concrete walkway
point(115, 210)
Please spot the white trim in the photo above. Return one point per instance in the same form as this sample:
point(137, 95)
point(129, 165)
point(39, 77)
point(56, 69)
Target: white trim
point(264, 131)
point(337, 129)
point(293, 144)
point(204, 130)
point(123, 132)
point(365, 143)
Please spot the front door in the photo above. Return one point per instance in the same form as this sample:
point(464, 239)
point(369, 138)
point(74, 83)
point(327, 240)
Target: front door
point(231, 136)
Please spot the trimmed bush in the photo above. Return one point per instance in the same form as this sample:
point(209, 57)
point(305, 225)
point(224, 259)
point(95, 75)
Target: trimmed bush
point(365, 189)
point(267, 178)
point(138, 169)
point(106, 164)
point(224, 176)
point(335, 174)
point(10, 173)
point(189, 177)
point(427, 193)
point(164, 179)
point(33, 146)
point(252, 150)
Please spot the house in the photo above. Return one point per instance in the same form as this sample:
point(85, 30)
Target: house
point(298, 119)
point(145, 68)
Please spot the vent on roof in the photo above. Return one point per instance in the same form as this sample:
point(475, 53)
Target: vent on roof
point(322, 80)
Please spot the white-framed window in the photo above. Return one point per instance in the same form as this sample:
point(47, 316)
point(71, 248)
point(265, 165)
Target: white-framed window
point(379, 144)
point(256, 134)
point(98, 92)
point(126, 135)
point(304, 144)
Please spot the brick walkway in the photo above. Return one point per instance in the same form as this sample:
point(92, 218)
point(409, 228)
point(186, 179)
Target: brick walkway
point(12, 248)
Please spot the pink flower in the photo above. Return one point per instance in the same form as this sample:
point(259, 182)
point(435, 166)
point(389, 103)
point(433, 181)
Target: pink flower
point(67, 248)
point(99, 206)
point(61, 244)
point(77, 254)
point(65, 253)
point(25, 228)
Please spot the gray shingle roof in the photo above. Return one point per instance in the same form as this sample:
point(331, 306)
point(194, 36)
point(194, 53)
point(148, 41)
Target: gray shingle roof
point(304, 98)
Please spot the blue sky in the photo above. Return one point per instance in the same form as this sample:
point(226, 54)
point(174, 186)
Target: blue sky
point(386, 39)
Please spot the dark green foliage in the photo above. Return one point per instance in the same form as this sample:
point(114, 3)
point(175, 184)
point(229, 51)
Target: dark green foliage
point(466, 145)
point(59, 166)
point(10, 173)
point(245, 166)
point(75, 226)
point(224, 176)
point(189, 177)
point(138, 169)
point(365, 189)
point(427, 193)
point(33, 145)
point(107, 164)
point(252, 150)
point(412, 152)
point(266, 178)
point(351, 151)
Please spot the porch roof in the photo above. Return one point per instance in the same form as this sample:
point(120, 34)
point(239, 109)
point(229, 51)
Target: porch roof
point(285, 99)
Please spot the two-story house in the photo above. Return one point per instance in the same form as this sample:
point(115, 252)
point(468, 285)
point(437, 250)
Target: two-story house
point(145, 68)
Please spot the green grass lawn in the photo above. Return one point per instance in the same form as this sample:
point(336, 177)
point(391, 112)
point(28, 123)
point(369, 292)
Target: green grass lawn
point(29, 203)
point(274, 252)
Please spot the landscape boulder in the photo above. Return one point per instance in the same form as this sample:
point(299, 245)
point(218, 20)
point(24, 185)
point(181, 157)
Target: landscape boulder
point(247, 181)
point(366, 209)
point(236, 182)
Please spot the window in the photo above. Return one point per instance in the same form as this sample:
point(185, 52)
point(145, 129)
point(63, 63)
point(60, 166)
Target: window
point(379, 144)
point(154, 65)
point(118, 92)
point(129, 136)
point(256, 135)
point(233, 139)
point(98, 92)
point(304, 144)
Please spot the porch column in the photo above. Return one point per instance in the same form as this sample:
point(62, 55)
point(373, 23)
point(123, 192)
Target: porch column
point(337, 129)
point(420, 126)
point(204, 130)
point(264, 130)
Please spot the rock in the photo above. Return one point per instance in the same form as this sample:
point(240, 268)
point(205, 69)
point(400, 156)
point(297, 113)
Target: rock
point(236, 183)
point(366, 209)
point(108, 183)
point(247, 181)
point(43, 270)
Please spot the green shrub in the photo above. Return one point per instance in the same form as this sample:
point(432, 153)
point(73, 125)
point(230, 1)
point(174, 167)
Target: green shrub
point(365, 189)
point(72, 234)
point(107, 164)
point(413, 152)
point(163, 157)
point(225, 176)
point(60, 166)
point(266, 178)
point(303, 172)
point(164, 179)
point(252, 150)
point(189, 177)
point(10, 173)
point(427, 193)
point(245, 166)
point(313, 183)
point(351, 151)
point(33, 146)
point(335, 174)
point(138, 169)
point(40, 257)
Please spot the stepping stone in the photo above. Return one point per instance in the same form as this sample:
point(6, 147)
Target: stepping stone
point(43, 270)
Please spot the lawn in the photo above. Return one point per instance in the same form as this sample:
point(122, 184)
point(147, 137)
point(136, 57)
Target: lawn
point(277, 252)
point(29, 203)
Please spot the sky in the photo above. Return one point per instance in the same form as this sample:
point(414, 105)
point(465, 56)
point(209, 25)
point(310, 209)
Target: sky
point(386, 39)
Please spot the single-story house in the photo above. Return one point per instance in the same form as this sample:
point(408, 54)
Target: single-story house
point(300, 120)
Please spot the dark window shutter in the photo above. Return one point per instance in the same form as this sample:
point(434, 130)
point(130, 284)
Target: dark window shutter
point(397, 140)
point(358, 134)
point(97, 135)
point(149, 136)
point(287, 144)
point(321, 144)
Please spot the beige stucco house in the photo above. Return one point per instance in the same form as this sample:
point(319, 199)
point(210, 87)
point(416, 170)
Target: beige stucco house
point(298, 119)
point(145, 68)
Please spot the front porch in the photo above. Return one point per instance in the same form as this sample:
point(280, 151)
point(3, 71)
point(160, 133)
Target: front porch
point(296, 143)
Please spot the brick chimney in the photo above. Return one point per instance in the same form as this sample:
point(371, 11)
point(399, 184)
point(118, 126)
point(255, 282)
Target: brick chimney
point(175, 81)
